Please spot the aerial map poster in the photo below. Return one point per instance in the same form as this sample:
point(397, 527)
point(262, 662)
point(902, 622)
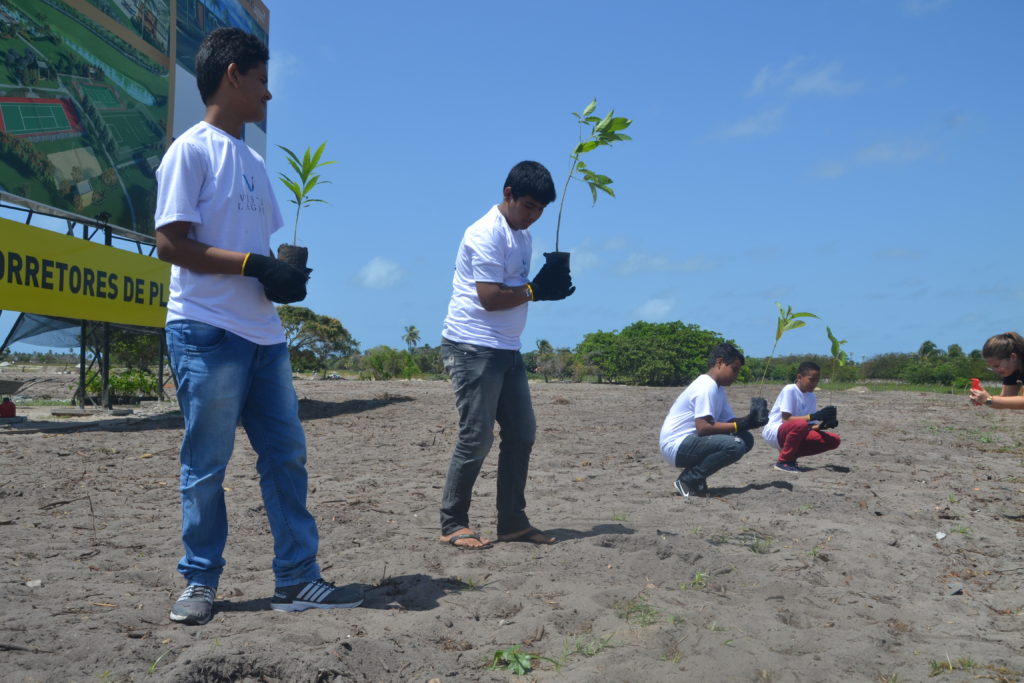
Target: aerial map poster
point(87, 97)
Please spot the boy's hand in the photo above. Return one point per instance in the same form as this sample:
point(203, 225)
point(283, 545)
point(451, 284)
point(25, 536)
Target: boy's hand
point(552, 283)
point(827, 417)
point(757, 417)
point(283, 283)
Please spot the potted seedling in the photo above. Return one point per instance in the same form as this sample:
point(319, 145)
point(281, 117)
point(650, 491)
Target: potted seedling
point(307, 178)
point(603, 131)
point(788, 320)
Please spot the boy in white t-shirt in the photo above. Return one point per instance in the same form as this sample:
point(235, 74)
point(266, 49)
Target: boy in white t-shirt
point(214, 217)
point(701, 434)
point(795, 425)
point(491, 292)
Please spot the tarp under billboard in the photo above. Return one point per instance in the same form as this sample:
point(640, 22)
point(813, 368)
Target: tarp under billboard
point(89, 99)
point(47, 273)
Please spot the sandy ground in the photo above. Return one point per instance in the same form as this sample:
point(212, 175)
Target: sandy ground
point(835, 574)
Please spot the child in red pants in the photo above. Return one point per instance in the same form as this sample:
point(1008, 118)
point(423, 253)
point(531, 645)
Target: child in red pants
point(795, 426)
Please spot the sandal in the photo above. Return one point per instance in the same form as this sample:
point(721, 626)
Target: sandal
point(455, 537)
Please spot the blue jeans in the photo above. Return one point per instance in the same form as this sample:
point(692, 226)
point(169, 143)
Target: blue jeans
point(702, 456)
point(490, 385)
point(224, 380)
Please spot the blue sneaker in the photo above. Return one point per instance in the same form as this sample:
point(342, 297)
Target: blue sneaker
point(317, 594)
point(788, 467)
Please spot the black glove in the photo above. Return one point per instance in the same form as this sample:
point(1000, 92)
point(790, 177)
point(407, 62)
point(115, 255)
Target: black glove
point(826, 414)
point(552, 283)
point(757, 417)
point(282, 283)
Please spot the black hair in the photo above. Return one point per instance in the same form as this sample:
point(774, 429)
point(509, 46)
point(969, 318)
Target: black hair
point(222, 47)
point(727, 353)
point(1002, 345)
point(808, 366)
point(531, 178)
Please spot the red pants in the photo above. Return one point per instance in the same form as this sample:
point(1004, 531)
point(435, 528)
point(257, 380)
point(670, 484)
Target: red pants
point(797, 439)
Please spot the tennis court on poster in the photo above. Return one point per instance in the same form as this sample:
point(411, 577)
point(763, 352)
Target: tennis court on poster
point(101, 95)
point(129, 128)
point(24, 118)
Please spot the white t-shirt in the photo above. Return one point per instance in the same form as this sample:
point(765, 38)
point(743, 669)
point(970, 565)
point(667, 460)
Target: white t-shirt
point(217, 183)
point(793, 401)
point(490, 251)
point(703, 398)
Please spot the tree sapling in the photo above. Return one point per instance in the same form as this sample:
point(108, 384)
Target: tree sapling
point(305, 181)
point(603, 132)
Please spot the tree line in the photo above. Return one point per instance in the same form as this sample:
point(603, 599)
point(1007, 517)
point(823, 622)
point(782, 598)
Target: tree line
point(644, 354)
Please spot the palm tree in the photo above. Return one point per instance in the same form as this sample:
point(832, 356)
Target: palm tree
point(411, 336)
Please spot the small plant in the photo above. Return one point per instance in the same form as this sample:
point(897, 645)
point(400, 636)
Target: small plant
point(715, 626)
point(620, 517)
point(839, 357)
point(152, 667)
point(588, 646)
point(306, 180)
point(965, 530)
point(516, 661)
point(788, 320)
point(603, 132)
point(639, 611)
point(700, 581)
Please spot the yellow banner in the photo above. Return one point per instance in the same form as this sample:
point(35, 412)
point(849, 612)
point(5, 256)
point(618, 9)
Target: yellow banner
point(48, 273)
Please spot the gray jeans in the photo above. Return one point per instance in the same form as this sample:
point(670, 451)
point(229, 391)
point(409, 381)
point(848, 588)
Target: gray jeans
point(702, 456)
point(490, 385)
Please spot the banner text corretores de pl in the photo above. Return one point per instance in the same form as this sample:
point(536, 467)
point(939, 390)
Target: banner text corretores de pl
point(48, 273)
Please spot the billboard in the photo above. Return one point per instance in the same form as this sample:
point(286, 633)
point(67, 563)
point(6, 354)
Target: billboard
point(93, 91)
point(46, 273)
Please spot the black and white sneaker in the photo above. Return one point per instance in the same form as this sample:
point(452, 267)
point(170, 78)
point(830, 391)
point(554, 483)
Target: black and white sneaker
point(686, 490)
point(194, 606)
point(318, 594)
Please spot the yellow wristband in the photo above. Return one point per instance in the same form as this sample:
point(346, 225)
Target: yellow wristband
point(529, 292)
point(735, 427)
point(245, 261)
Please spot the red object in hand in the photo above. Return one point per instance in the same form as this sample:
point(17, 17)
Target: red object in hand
point(975, 384)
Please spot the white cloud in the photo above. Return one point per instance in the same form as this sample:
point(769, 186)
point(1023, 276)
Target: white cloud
point(830, 169)
point(655, 310)
point(762, 124)
point(772, 77)
point(823, 80)
point(379, 273)
point(642, 262)
point(892, 152)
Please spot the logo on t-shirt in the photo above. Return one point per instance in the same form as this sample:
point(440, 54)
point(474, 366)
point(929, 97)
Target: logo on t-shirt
point(247, 201)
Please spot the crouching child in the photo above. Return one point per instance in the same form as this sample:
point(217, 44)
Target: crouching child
point(701, 434)
point(795, 425)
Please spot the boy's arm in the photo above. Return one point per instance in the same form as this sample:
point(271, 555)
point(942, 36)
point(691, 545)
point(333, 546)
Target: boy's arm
point(495, 296)
point(706, 426)
point(175, 246)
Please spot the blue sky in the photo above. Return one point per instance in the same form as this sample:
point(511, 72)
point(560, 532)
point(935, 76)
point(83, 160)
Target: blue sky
point(859, 160)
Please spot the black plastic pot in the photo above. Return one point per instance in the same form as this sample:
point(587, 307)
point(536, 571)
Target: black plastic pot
point(557, 258)
point(293, 255)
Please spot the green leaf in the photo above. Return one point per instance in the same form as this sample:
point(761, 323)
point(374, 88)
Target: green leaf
point(590, 108)
point(604, 123)
point(618, 123)
point(584, 147)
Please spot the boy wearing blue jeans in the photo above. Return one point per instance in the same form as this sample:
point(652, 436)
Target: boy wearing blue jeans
point(701, 434)
point(214, 217)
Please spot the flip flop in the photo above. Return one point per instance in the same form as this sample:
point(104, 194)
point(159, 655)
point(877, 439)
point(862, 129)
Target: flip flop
point(458, 537)
point(531, 535)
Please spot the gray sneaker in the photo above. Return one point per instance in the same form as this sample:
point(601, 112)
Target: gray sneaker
point(194, 606)
point(318, 594)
